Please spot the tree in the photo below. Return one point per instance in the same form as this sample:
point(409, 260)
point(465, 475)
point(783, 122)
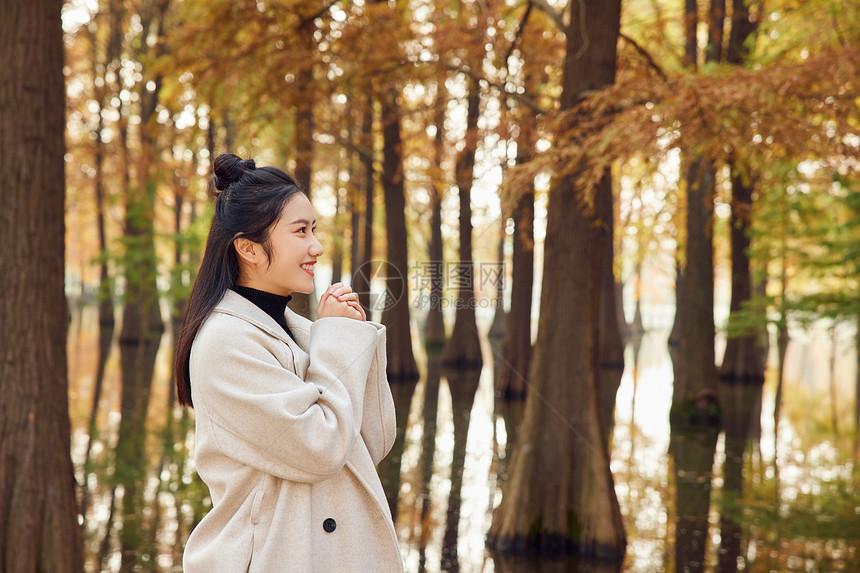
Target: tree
point(39, 529)
point(695, 394)
point(742, 370)
point(517, 349)
point(464, 346)
point(142, 325)
point(434, 328)
point(559, 496)
point(401, 360)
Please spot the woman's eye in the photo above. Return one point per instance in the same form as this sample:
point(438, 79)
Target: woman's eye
point(314, 230)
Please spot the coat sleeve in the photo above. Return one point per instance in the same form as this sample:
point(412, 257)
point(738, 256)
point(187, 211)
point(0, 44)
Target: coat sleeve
point(266, 416)
point(379, 425)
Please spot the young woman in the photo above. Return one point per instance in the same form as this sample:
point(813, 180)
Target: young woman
point(291, 416)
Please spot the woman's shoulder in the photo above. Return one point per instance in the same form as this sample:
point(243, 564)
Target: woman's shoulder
point(221, 329)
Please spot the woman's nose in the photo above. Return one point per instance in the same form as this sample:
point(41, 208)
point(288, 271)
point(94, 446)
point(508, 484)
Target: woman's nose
point(316, 248)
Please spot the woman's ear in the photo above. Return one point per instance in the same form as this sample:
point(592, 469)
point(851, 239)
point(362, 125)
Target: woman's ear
point(248, 250)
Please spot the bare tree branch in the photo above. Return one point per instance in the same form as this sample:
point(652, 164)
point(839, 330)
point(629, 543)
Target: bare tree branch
point(644, 53)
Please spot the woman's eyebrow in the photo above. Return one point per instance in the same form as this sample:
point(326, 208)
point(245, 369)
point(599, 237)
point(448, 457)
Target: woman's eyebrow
point(303, 221)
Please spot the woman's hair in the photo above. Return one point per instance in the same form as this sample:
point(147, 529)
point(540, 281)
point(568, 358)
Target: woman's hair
point(248, 203)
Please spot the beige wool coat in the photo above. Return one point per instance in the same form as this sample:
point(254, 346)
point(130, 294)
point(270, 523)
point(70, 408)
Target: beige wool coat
point(288, 434)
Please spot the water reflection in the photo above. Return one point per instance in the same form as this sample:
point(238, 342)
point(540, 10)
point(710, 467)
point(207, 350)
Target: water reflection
point(462, 386)
point(428, 451)
point(571, 564)
point(692, 453)
point(690, 502)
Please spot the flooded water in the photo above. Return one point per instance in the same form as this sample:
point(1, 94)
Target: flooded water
point(798, 511)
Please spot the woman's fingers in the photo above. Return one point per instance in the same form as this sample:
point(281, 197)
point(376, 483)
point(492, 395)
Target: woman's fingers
point(354, 304)
point(339, 300)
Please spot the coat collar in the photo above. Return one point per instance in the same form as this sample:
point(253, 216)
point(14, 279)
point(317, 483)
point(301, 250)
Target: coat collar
point(237, 305)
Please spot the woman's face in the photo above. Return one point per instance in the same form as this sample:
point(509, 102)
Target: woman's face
point(294, 251)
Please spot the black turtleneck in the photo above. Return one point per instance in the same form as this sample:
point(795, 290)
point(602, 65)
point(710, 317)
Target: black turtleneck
point(272, 304)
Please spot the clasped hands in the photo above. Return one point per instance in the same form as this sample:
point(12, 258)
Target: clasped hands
point(338, 300)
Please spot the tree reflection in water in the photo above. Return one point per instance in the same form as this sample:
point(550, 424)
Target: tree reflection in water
point(682, 512)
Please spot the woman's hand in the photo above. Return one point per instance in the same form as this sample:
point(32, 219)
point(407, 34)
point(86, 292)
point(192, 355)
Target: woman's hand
point(339, 300)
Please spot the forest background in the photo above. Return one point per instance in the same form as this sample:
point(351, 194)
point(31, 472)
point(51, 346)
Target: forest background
point(532, 185)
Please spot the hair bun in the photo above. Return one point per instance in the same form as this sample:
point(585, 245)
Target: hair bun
point(229, 168)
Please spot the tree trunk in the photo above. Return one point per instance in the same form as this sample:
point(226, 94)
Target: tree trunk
point(338, 239)
point(610, 344)
point(304, 149)
point(496, 333)
point(695, 397)
point(434, 328)
point(559, 496)
point(742, 362)
point(402, 370)
point(691, 25)
point(782, 340)
point(742, 371)
point(395, 315)
point(857, 393)
point(675, 335)
point(39, 529)
point(355, 211)
point(106, 319)
point(716, 23)
point(142, 325)
point(361, 282)
point(516, 356)
point(464, 346)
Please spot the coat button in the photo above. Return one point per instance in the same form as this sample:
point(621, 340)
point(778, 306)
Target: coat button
point(329, 525)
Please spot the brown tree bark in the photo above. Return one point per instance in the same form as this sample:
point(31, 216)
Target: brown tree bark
point(742, 362)
point(337, 241)
point(857, 393)
point(361, 283)
point(434, 328)
point(691, 24)
point(560, 496)
point(695, 397)
point(304, 149)
point(511, 383)
point(716, 25)
point(39, 530)
point(395, 316)
point(106, 319)
point(142, 325)
point(402, 369)
point(743, 368)
point(464, 346)
point(610, 356)
point(354, 206)
point(496, 334)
